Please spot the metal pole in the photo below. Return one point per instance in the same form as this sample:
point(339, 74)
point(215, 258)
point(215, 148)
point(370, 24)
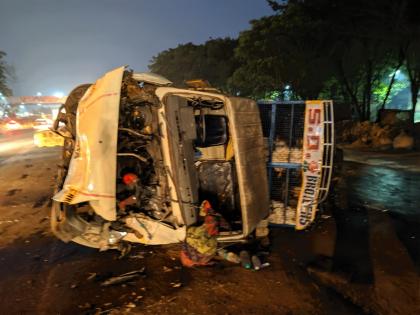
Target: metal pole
point(271, 144)
point(286, 189)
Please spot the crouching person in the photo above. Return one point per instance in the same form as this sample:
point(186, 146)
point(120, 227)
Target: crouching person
point(200, 244)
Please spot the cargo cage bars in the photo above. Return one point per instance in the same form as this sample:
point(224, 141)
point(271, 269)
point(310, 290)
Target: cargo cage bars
point(285, 120)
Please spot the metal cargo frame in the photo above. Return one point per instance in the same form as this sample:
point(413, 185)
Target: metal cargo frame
point(283, 122)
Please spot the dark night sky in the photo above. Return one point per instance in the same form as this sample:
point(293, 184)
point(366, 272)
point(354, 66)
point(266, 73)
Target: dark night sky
point(55, 45)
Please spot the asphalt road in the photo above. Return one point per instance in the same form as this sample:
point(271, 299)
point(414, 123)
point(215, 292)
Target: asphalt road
point(16, 142)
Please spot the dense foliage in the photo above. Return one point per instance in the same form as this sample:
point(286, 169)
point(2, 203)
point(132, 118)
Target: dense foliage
point(347, 50)
point(213, 61)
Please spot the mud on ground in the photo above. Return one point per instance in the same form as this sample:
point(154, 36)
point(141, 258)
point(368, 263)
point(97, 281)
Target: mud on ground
point(42, 275)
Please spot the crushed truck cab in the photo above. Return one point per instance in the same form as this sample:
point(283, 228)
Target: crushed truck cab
point(140, 156)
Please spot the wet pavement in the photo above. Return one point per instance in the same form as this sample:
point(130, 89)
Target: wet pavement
point(365, 244)
point(374, 233)
point(395, 192)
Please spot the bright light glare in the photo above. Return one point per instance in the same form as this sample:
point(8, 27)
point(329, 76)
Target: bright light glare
point(59, 94)
point(38, 94)
point(396, 73)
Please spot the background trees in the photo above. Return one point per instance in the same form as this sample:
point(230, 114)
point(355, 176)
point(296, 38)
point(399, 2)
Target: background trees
point(4, 75)
point(348, 50)
point(5, 72)
point(214, 61)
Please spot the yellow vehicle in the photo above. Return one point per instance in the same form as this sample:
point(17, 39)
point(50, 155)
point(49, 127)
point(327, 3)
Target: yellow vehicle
point(47, 138)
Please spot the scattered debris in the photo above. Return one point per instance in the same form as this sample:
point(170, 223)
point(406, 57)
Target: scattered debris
point(139, 255)
point(85, 306)
point(167, 269)
point(91, 276)
point(256, 262)
point(380, 136)
point(265, 265)
point(176, 284)
point(124, 277)
point(12, 192)
point(41, 202)
point(403, 141)
point(125, 249)
point(229, 256)
point(245, 259)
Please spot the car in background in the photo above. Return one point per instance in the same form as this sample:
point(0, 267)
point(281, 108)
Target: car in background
point(42, 124)
point(12, 125)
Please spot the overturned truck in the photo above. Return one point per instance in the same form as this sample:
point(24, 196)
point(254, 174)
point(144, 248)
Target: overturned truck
point(140, 156)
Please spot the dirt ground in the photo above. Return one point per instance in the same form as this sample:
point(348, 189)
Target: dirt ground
point(42, 275)
point(364, 250)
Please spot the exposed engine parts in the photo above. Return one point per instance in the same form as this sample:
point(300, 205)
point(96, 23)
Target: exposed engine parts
point(141, 179)
point(143, 157)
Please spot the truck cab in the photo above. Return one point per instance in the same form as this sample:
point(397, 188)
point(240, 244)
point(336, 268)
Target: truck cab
point(140, 156)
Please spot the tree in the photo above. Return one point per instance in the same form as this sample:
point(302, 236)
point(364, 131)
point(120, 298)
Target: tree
point(410, 34)
point(320, 45)
point(413, 70)
point(5, 73)
point(286, 49)
point(213, 61)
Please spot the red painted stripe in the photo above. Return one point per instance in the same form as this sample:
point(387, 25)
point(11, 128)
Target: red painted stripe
point(95, 195)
